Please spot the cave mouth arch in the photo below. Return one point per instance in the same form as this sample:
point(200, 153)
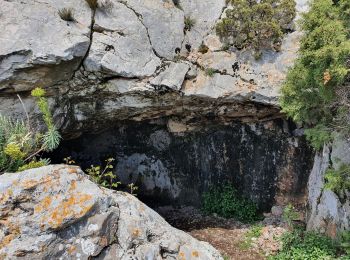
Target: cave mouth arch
point(174, 165)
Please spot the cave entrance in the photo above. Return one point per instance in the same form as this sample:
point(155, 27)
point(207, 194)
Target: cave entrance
point(173, 165)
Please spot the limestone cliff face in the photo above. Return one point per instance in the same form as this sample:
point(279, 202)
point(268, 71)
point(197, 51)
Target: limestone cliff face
point(131, 75)
point(328, 212)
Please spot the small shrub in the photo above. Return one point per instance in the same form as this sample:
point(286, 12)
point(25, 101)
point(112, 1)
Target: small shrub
point(34, 164)
point(226, 202)
point(289, 215)
point(345, 242)
point(20, 145)
point(254, 232)
point(300, 245)
point(93, 4)
point(338, 180)
point(210, 72)
point(203, 48)
point(133, 188)
point(66, 14)
point(104, 176)
point(189, 23)
point(256, 24)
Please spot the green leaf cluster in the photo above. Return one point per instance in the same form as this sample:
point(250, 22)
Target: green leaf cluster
point(301, 245)
point(316, 92)
point(226, 202)
point(338, 180)
point(20, 145)
point(104, 176)
point(256, 24)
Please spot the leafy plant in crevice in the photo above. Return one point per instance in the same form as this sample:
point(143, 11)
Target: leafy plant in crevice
point(338, 180)
point(226, 202)
point(316, 92)
point(210, 72)
point(66, 14)
point(20, 145)
point(104, 176)
point(189, 23)
point(256, 24)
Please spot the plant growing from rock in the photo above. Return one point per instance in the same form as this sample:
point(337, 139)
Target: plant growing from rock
point(93, 4)
point(66, 14)
point(104, 176)
point(256, 24)
point(338, 180)
point(210, 72)
point(21, 145)
point(189, 23)
point(289, 215)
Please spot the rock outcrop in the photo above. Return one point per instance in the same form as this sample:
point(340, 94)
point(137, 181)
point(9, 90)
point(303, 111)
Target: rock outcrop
point(132, 60)
point(328, 212)
point(56, 212)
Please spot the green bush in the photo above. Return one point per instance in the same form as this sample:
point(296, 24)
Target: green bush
point(338, 180)
point(226, 202)
point(20, 144)
point(315, 92)
point(256, 24)
point(301, 245)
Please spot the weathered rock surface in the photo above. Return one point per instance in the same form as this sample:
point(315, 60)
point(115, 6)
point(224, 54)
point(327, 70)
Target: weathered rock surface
point(328, 213)
point(141, 44)
point(37, 46)
point(56, 212)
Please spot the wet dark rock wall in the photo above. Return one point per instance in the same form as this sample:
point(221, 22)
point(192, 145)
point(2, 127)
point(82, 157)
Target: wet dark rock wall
point(174, 165)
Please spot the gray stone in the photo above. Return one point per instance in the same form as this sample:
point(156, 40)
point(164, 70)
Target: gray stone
point(32, 49)
point(164, 23)
point(172, 77)
point(120, 45)
point(56, 212)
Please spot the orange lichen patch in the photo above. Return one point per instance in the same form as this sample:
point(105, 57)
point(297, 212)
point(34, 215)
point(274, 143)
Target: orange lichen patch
point(136, 232)
point(195, 253)
point(5, 196)
point(182, 256)
point(6, 240)
point(72, 170)
point(67, 209)
point(29, 184)
point(13, 233)
point(43, 205)
point(71, 249)
point(73, 185)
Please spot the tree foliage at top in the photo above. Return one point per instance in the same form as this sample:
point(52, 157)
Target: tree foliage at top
point(256, 24)
point(317, 91)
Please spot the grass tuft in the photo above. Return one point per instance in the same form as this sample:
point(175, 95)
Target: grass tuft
point(66, 14)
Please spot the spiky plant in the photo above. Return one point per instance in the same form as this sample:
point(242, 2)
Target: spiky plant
point(189, 23)
point(20, 145)
point(66, 14)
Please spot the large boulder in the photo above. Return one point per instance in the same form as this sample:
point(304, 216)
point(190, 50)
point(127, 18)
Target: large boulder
point(56, 212)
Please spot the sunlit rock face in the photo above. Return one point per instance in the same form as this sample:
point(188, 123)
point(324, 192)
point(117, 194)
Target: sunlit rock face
point(173, 164)
point(56, 212)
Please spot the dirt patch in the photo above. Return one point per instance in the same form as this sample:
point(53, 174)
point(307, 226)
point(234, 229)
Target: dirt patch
point(229, 236)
